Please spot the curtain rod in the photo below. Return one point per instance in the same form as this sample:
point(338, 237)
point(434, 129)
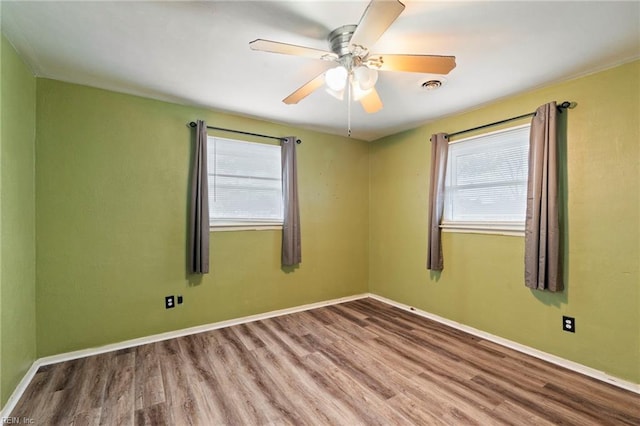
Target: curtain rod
point(193, 124)
point(564, 105)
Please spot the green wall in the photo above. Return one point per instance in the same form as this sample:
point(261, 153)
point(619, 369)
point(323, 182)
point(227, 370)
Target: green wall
point(111, 215)
point(482, 283)
point(17, 220)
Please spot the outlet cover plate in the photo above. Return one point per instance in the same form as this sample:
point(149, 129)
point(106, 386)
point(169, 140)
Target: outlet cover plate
point(569, 324)
point(169, 302)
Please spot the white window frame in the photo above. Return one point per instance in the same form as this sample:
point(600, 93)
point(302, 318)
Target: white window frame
point(240, 224)
point(513, 228)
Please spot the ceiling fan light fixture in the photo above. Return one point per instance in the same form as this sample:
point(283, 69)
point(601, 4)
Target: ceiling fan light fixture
point(356, 72)
point(336, 78)
point(365, 77)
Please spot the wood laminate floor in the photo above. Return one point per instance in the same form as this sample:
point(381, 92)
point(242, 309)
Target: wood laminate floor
point(357, 363)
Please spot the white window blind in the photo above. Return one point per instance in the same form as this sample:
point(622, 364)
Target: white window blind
point(245, 183)
point(486, 181)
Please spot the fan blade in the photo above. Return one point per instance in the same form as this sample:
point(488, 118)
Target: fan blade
point(291, 49)
point(379, 15)
point(428, 64)
point(372, 102)
point(305, 90)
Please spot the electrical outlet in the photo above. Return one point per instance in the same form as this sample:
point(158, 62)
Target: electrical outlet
point(179, 299)
point(169, 302)
point(569, 324)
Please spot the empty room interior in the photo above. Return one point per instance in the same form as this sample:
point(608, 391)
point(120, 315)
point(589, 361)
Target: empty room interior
point(320, 212)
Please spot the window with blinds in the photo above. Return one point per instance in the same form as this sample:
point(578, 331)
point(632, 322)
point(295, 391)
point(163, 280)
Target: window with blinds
point(245, 183)
point(486, 182)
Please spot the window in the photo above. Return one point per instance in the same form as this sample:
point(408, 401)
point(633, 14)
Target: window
point(245, 184)
point(486, 182)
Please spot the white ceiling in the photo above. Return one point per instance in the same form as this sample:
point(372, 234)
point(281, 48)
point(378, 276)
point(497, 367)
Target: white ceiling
point(197, 53)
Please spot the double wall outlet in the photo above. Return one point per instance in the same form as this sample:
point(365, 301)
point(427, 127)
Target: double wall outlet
point(569, 324)
point(170, 301)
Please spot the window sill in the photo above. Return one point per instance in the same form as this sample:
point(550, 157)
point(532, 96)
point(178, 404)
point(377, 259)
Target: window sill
point(245, 227)
point(496, 228)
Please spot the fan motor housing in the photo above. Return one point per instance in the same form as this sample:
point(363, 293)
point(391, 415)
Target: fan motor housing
point(340, 38)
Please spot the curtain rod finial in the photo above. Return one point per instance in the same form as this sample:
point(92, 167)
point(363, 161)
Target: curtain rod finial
point(192, 124)
point(566, 105)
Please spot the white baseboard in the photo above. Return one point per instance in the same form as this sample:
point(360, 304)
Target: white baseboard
point(574, 366)
point(588, 371)
point(18, 391)
point(54, 359)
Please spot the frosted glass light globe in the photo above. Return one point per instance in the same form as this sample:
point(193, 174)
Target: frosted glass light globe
point(366, 77)
point(336, 78)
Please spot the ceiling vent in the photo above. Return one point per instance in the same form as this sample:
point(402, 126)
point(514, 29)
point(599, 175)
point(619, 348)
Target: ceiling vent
point(432, 84)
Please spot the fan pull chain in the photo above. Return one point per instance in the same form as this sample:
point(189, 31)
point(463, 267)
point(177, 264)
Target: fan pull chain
point(349, 84)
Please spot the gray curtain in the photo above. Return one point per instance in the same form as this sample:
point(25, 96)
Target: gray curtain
point(542, 230)
point(291, 246)
point(439, 152)
point(199, 209)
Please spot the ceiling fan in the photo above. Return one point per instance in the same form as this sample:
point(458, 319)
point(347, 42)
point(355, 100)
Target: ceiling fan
point(357, 69)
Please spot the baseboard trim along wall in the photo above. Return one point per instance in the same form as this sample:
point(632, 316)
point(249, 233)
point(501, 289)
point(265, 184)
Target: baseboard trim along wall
point(570, 365)
point(54, 359)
